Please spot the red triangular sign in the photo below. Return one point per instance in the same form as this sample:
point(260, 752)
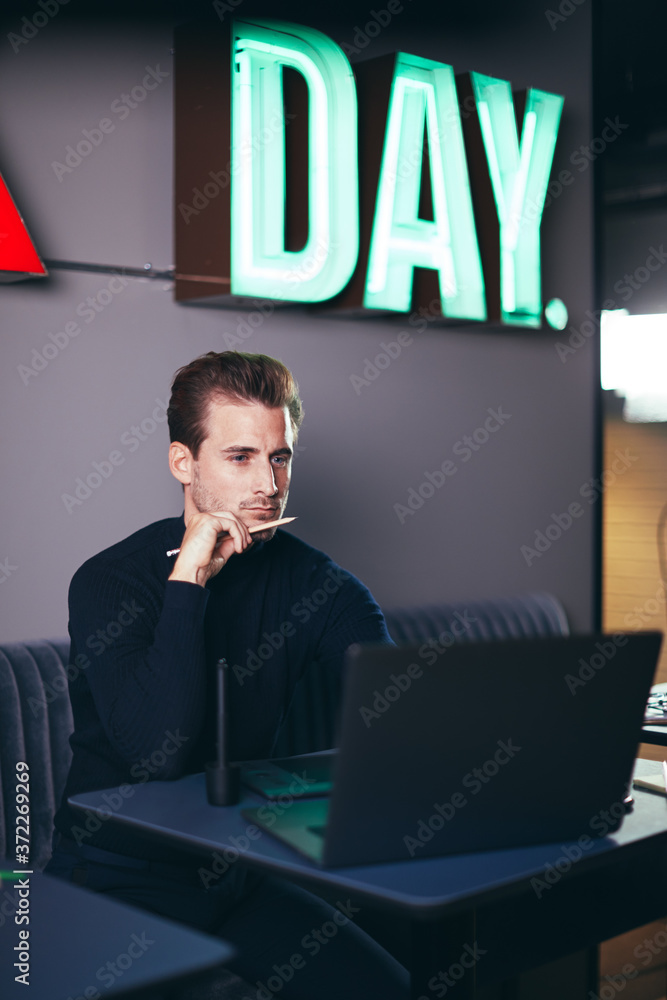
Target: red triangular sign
point(17, 251)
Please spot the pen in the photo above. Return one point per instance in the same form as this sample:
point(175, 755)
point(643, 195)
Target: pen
point(256, 527)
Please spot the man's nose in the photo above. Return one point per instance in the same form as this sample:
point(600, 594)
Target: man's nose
point(266, 481)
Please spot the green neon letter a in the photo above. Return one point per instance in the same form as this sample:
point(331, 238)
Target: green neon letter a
point(424, 92)
point(260, 263)
point(519, 177)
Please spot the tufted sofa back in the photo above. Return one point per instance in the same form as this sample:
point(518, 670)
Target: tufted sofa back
point(35, 725)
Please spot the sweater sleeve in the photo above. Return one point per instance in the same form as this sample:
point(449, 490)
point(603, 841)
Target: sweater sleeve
point(353, 616)
point(145, 647)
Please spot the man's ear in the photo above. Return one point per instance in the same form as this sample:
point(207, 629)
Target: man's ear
point(181, 462)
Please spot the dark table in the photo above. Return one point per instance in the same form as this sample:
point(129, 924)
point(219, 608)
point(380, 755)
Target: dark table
point(84, 945)
point(521, 907)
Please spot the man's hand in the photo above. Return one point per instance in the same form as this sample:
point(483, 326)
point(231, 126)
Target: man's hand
point(202, 556)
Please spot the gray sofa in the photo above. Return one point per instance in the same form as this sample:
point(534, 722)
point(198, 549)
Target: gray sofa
point(36, 717)
point(35, 725)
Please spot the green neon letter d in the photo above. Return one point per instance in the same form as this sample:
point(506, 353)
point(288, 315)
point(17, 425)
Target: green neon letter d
point(261, 265)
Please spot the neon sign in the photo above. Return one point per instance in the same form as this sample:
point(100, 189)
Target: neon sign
point(423, 93)
point(260, 263)
point(519, 177)
point(368, 235)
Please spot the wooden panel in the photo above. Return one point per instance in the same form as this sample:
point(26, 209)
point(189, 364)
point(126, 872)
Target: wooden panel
point(645, 948)
point(652, 751)
point(633, 592)
point(202, 161)
point(634, 598)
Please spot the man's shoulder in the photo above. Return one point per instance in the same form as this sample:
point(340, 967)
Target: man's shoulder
point(351, 609)
point(143, 549)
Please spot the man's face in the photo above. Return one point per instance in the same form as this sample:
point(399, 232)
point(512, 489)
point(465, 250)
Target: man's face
point(245, 463)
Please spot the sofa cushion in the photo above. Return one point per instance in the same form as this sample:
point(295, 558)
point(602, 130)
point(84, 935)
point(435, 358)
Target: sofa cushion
point(35, 725)
point(525, 616)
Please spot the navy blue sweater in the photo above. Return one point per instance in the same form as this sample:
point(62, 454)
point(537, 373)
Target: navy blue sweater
point(143, 698)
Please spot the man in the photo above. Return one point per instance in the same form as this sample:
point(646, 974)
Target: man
point(144, 708)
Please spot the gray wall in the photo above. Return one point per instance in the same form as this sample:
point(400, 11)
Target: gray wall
point(361, 453)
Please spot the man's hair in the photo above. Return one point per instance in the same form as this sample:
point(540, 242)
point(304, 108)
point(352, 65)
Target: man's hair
point(230, 375)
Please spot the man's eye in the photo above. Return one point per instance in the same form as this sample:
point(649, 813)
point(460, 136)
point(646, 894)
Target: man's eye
point(239, 458)
point(281, 459)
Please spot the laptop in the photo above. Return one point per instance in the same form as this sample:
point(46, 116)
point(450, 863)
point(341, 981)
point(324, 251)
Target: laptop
point(486, 746)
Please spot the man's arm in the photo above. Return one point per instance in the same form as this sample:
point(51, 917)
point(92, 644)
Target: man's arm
point(147, 674)
point(353, 616)
point(145, 649)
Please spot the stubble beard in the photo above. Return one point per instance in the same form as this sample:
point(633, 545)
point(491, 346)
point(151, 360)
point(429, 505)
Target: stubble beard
point(205, 501)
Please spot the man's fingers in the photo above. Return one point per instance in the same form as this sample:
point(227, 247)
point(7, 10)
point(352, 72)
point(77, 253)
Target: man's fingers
point(237, 536)
point(203, 545)
point(226, 547)
point(236, 528)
